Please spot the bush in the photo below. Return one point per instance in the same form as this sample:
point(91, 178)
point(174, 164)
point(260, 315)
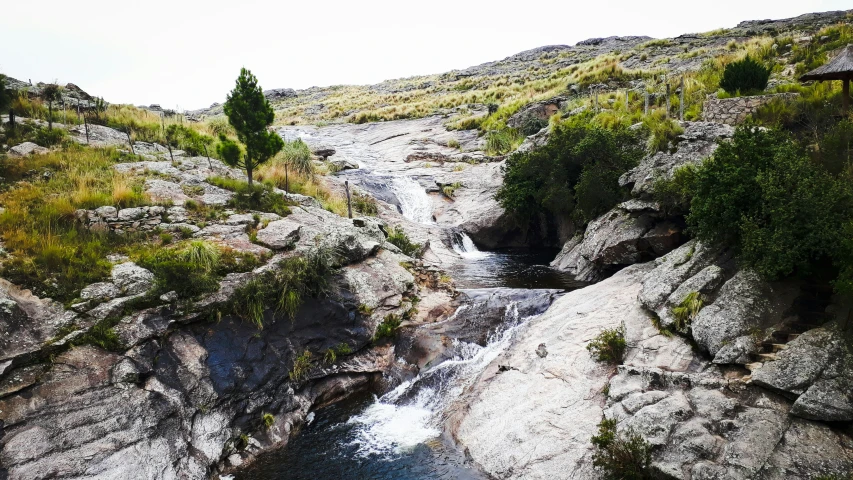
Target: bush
point(686, 311)
point(763, 197)
point(609, 345)
point(268, 419)
point(255, 197)
point(621, 455)
point(364, 204)
point(745, 77)
point(285, 288)
point(388, 327)
point(576, 173)
point(674, 194)
point(397, 237)
point(503, 141)
point(302, 366)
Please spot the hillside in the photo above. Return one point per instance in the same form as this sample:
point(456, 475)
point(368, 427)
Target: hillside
point(526, 269)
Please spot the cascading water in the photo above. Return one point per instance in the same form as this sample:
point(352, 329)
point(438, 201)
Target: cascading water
point(414, 201)
point(464, 246)
point(412, 413)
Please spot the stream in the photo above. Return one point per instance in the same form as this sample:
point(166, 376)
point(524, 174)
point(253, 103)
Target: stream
point(400, 434)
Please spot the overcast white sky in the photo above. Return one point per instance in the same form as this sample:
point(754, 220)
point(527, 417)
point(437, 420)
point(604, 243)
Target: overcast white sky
point(188, 53)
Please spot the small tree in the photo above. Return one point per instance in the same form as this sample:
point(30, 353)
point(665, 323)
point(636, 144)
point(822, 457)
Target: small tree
point(50, 93)
point(250, 113)
point(6, 97)
point(296, 155)
point(745, 76)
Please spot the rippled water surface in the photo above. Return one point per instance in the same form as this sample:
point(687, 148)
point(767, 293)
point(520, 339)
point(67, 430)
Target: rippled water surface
point(332, 447)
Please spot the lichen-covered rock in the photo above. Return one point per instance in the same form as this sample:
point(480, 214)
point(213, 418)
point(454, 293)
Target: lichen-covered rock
point(698, 142)
point(131, 279)
point(27, 148)
point(624, 236)
point(745, 305)
point(818, 367)
point(280, 234)
point(100, 291)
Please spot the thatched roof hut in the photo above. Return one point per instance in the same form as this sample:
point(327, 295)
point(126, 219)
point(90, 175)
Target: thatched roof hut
point(839, 68)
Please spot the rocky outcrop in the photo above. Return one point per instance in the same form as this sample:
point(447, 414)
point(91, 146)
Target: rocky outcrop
point(701, 421)
point(536, 114)
point(26, 149)
point(817, 368)
point(733, 326)
point(631, 233)
point(698, 142)
point(175, 398)
point(639, 230)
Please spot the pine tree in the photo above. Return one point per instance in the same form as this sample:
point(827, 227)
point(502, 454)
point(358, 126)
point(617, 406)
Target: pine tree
point(250, 114)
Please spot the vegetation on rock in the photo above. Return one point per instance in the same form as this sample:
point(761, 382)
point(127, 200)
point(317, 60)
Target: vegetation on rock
point(250, 114)
point(575, 174)
point(609, 345)
point(745, 77)
point(621, 455)
point(397, 237)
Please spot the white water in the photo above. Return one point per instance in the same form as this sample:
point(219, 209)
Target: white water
point(414, 200)
point(464, 246)
point(411, 414)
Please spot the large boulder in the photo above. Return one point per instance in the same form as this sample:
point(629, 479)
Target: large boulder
point(818, 367)
point(731, 328)
point(631, 233)
point(27, 148)
point(698, 142)
point(536, 113)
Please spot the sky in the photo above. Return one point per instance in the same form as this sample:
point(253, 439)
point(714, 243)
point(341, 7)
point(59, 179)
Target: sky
point(187, 54)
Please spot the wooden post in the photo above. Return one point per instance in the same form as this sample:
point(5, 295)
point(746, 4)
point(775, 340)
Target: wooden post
point(129, 141)
point(845, 95)
point(349, 202)
point(596, 98)
point(86, 126)
point(667, 100)
point(646, 106)
point(626, 100)
point(209, 164)
point(681, 100)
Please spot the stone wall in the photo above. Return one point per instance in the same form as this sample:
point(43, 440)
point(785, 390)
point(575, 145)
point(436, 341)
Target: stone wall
point(131, 219)
point(733, 111)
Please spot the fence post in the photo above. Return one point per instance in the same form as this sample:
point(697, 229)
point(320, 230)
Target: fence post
point(667, 99)
point(646, 106)
point(681, 100)
point(349, 202)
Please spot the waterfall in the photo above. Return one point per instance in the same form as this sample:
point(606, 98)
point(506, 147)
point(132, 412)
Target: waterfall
point(464, 246)
point(414, 201)
point(412, 413)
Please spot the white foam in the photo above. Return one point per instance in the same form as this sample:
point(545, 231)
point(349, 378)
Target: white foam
point(464, 246)
point(411, 414)
point(414, 200)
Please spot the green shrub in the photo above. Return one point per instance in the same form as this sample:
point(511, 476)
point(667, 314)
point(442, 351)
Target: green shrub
point(576, 173)
point(364, 204)
point(503, 141)
point(674, 194)
point(621, 455)
point(748, 195)
point(745, 77)
point(332, 354)
point(532, 124)
point(388, 327)
point(397, 237)
point(255, 197)
point(449, 190)
point(269, 420)
point(285, 288)
point(302, 366)
point(101, 335)
point(686, 311)
point(663, 133)
point(609, 345)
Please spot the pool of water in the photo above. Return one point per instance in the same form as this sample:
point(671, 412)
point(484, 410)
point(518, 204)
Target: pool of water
point(512, 268)
point(333, 446)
